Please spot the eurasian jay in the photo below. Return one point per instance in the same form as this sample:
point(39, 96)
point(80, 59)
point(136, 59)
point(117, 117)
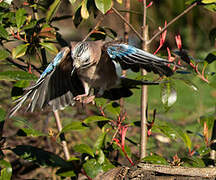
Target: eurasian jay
point(89, 67)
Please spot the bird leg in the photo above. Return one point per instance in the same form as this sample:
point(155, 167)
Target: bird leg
point(85, 99)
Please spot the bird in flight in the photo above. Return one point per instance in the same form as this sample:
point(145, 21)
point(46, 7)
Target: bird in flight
point(87, 69)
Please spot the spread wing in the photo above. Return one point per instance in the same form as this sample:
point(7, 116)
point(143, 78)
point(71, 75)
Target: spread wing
point(134, 58)
point(55, 86)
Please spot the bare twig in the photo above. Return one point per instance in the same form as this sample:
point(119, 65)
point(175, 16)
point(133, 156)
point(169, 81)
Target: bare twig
point(173, 21)
point(144, 91)
point(96, 26)
point(123, 19)
point(63, 141)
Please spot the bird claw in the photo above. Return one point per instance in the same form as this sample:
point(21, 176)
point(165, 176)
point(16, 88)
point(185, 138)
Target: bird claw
point(85, 99)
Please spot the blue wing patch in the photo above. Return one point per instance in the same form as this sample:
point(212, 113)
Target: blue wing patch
point(120, 50)
point(56, 61)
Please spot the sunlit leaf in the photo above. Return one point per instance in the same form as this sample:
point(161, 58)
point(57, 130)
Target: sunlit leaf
point(19, 51)
point(168, 94)
point(3, 32)
point(103, 5)
point(92, 168)
point(84, 148)
point(20, 17)
point(84, 10)
point(52, 10)
point(74, 126)
point(6, 170)
point(39, 156)
point(155, 159)
point(4, 54)
point(208, 1)
point(92, 119)
point(49, 47)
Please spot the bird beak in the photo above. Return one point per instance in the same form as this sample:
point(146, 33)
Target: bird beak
point(73, 70)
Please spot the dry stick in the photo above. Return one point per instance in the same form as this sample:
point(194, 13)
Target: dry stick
point(144, 91)
point(172, 21)
point(122, 18)
point(96, 26)
point(63, 141)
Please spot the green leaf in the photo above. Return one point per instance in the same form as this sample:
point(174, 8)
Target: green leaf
point(84, 10)
point(84, 148)
point(183, 135)
point(209, 119)
point(19, 51)
point(100, 142)
point(3, 32)
point(155, 159)
point(20, 17)
point(101, 156)
point(26, 128)
point(92, 119)
point(65, 172)
point(4, 54)
point(92, 168)
point(208, 1)
point(211, 7)
point(50, 47)
point(74, 126)
point(103, 5)
point(168, 95)
point(107, 165)
point(52, 10)
point(6, 170)
point(113, 108)
point(212, 81)
point(39, 156)
point(203, 150)
point(17, 75)
point(193, 162)
point(211, 57)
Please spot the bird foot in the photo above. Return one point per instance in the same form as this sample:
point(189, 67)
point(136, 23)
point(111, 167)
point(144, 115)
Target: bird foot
point(85, 99)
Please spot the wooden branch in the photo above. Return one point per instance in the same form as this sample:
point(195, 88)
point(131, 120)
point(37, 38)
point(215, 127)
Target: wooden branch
point(173, 21)
point(62, 137)
point(123, 19)
point(175, 170)
point(158, 172)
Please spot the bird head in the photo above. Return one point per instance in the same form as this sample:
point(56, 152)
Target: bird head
point(81, 56)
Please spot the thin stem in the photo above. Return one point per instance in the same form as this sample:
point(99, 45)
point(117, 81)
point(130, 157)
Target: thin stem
point(173, 21)
point(144, 91)
point(96, 26)
point(123, 19)
point(62, 137)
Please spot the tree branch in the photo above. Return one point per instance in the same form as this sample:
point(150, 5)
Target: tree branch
point(173, 21)
point(123, 19)
point(62, 137)
point(144, 90)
